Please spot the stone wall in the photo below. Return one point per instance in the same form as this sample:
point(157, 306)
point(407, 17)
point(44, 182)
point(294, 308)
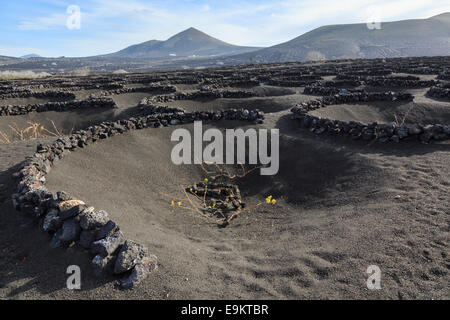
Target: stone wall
point(294, 81)
point(399, 82)
point(364, 72)
point(198, 95)
point(329, 88)
point(445, 75)
point(342, 83)
point(232, 83)
point(42, 94)
point(366, 97)
point(58, 106)
point(368, 132)
point(327, 91)
point(440, 92)
point(152, 89)
point(72, 222)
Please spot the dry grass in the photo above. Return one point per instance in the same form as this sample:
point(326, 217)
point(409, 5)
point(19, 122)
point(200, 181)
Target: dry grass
point(4, 138)
point(82, 72)
point(401, 122)
point(34, 130)
point(7, 75)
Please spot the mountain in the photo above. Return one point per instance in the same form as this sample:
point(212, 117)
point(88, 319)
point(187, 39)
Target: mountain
point(190, 42)
point(33, 55)
point(418, 37)
point(6, 60)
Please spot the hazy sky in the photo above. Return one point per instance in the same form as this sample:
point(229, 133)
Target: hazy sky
point(40, 26)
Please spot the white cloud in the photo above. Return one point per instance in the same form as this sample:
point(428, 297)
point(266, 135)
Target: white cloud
point(44, 23)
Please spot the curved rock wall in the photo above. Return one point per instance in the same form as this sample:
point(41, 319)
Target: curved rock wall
point(399, 82)
point(439, 92)
point(58, 106)
point(368, 132)
point(160, 89)
point(197, 95)
point(42, 94)
point(71, 221)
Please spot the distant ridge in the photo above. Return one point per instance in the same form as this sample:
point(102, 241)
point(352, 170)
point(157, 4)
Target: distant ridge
point(407, 38)
point(5, 59)
point(190, 42)
point(33, 55)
